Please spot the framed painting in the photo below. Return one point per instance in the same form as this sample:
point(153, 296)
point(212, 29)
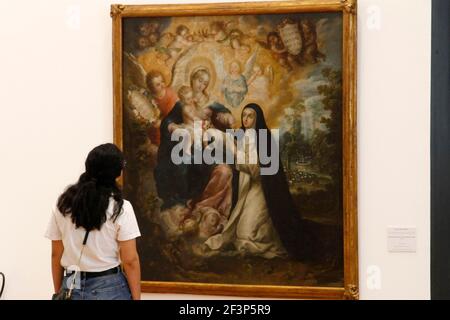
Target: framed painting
point(238, 124)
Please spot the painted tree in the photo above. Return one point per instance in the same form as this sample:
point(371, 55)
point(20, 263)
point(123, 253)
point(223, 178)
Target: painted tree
point(293, 140)
point(327, 145)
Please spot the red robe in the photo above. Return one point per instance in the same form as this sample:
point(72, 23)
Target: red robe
point(165, 104)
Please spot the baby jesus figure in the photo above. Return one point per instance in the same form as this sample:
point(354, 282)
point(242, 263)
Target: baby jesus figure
point(204, 117)
point(191, 115)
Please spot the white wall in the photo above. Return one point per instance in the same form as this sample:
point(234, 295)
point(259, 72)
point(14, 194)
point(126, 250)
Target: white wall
point(394, 148)
point(56, 104)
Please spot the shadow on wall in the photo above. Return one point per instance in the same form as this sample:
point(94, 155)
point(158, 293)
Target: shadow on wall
point(3, 283)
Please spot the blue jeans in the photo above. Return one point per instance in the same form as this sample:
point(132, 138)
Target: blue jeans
point(109, 287)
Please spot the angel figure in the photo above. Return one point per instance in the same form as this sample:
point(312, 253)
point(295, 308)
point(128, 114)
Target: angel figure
point(235, 85)
point(258, 83)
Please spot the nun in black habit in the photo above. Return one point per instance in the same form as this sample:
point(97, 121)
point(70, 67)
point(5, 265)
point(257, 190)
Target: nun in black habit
point(264, 220)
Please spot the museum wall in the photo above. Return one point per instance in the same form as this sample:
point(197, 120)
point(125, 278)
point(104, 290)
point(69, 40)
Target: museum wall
point(56, 104)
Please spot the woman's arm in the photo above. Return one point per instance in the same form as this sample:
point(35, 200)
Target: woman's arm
point(57, 270)
point(131, 265)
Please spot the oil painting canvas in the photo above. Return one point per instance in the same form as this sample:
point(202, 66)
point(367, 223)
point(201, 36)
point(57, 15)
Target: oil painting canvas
point(223, 225)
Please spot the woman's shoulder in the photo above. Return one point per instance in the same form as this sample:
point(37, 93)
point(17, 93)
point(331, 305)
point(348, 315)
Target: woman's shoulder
point(58, 214)
point(127, 207)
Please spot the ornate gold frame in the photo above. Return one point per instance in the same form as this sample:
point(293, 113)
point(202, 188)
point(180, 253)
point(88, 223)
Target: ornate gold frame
point(348, 9)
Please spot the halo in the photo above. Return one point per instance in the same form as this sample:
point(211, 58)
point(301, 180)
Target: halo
point(199, 63)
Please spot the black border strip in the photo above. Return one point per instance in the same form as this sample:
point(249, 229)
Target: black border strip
point(440, 151)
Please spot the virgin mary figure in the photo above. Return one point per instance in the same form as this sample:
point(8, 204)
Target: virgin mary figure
point(194, 185)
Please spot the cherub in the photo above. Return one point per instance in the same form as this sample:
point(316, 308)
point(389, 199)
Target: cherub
point(143, 43)
point(279, 51)
point(172, 220)
point(258, 83)
point(149, 31)
point(310, 52)
point(153, 38)
point(145, 29)
point(236, 42)
point(182, 40)
point(211, 223)
point(148, 27)
point(203, 221)
point(154, 26)
point(218, 31)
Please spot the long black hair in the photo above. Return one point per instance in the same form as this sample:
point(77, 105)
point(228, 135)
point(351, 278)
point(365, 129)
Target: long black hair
point(88, 199)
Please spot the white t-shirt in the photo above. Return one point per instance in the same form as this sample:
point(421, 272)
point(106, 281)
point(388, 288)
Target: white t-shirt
point(102, 248)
